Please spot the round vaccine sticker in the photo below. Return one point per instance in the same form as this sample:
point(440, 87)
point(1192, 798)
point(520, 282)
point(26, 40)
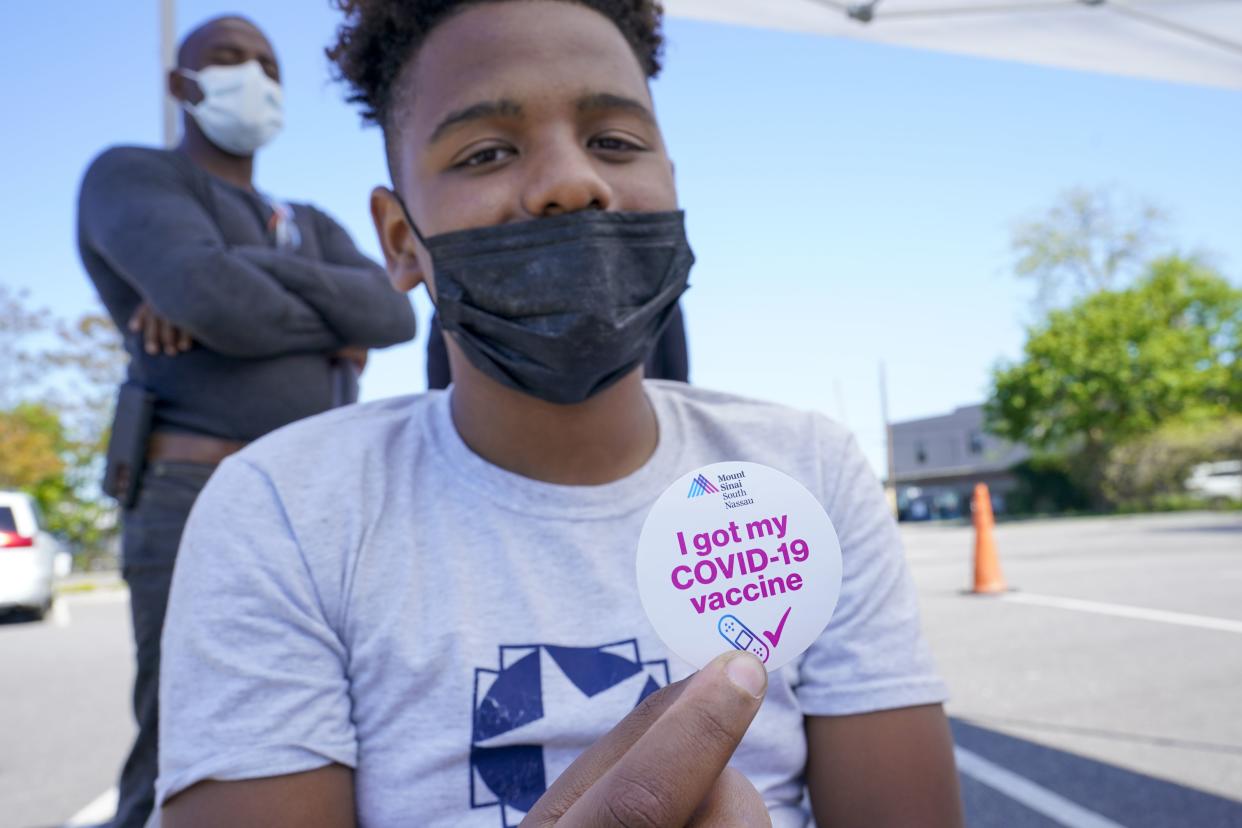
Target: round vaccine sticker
point(738, 555)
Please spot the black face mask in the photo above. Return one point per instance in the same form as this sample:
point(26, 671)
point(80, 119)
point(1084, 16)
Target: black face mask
point(560, 308)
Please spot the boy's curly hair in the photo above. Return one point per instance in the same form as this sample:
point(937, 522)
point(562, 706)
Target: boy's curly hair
point(379, 36)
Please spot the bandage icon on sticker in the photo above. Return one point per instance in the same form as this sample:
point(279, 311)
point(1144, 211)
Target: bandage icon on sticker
point(741, 637)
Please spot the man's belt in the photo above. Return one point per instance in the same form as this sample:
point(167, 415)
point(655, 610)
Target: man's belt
point(190, 448)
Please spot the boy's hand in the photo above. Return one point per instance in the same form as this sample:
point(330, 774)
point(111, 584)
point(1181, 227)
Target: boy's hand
point(664, 764)
point(158, 333)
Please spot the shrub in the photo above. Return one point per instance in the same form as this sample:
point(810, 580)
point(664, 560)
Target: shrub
point(1150, 472)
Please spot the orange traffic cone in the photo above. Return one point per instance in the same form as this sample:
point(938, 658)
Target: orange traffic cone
point(988, 577)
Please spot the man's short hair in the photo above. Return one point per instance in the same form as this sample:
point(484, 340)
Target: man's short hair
point(379, 37)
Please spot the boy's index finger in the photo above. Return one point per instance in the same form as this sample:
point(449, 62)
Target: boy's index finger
point(675, 762)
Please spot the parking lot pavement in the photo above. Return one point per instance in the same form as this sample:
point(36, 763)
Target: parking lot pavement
point(1149, 700)
point(65, 718)
point(1013, 783)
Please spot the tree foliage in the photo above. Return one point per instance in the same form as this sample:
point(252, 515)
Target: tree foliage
point(1118, 364)
point(1090, 240)
point(57, 384)
point(32, 447)
point(20, 359)
point(1145, 471)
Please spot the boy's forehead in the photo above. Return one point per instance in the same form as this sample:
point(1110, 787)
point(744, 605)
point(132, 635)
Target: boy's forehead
point(522, 51)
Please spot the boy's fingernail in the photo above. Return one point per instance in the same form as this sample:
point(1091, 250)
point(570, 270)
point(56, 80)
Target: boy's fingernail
point(747, 673)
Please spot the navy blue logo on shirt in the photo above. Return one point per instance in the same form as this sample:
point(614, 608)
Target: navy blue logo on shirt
point(544, 706)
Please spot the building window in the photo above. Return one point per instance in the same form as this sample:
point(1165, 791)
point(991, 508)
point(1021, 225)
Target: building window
point(920, 452)
point(976, 442)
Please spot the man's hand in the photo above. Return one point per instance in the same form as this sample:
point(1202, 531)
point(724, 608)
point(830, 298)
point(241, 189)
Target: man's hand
point(158, 333)
point(357, 356)
point(664, 764)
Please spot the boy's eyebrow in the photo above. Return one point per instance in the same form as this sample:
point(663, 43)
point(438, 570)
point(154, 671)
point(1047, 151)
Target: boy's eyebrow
point(502, 108)
point(608, 100)
point(507, 108)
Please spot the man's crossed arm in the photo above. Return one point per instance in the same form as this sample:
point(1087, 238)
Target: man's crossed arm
point(152, 230)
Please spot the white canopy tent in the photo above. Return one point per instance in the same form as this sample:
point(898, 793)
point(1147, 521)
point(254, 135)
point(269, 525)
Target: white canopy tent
point(1186, 41)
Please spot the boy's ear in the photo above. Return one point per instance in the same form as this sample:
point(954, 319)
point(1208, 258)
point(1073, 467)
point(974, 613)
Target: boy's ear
point(397, 241)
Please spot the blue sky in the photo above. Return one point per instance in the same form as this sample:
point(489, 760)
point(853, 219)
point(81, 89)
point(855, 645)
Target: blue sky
point(848, 202)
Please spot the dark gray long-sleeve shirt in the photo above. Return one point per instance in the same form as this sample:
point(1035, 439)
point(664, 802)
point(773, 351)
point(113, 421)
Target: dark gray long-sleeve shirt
point(265, 321)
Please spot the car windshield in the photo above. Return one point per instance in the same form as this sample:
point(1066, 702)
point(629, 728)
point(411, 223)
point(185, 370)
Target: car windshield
point(7, 521)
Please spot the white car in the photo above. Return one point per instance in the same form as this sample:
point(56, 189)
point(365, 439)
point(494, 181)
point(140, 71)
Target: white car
point(1221, 480)
point(30, 558)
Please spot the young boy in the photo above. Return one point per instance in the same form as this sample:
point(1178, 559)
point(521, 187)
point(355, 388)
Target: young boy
point(423, 611)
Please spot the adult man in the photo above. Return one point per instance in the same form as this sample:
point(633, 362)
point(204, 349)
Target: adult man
point(446, 634)
point(242, 315)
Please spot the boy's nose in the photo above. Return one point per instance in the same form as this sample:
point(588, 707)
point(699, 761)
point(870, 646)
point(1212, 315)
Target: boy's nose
point(565, 181)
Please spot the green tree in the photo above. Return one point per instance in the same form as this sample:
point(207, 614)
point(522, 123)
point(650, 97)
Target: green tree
point(21, 363)
point(32, 447)
point(1089, 240)
point(1151, 470)
point(1120, 363)
point(57, 383)
point(89, 360)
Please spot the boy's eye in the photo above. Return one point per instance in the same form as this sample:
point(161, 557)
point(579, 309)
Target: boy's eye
point(482, 157)
point(614, 143)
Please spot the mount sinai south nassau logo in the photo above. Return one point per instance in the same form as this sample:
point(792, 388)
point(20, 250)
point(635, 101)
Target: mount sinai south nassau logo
point(701, 486)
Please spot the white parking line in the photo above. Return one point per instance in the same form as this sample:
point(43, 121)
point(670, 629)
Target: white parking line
point(101, 809)
point(59, 616)
point(1022, 790)
point(1123, 611)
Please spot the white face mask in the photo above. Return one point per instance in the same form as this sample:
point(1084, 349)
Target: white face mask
point(241, 106)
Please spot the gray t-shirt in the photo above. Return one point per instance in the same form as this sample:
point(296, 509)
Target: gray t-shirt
point(361, 588)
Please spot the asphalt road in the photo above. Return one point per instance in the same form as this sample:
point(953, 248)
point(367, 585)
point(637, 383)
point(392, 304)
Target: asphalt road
point(1090, 715)
point(1138, 719)
point(65, 723)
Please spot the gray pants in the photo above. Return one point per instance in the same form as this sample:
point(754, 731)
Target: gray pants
point(151, 532)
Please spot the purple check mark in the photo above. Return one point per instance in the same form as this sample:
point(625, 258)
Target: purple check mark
point(775, 638)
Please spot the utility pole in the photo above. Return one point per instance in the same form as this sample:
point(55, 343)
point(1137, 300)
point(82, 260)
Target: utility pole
point(168, 34)
point(890, 484)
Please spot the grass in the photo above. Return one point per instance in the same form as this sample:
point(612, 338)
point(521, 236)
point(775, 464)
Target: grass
point(85, 586)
